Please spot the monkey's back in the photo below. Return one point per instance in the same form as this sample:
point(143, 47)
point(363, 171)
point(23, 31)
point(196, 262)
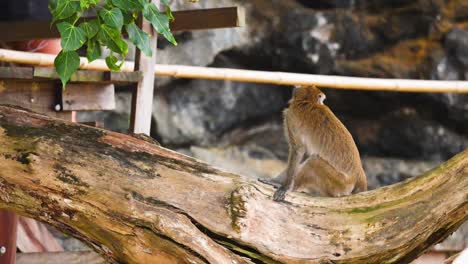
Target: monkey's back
point(327, 137)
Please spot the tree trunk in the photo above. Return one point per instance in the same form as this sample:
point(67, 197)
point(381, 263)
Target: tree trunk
point(135, 202)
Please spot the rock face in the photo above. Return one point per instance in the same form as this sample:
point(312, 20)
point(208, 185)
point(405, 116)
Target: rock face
point(201, 111)
point(407, 39)
point(199, 48)
point(403, 39)
point(393, 39)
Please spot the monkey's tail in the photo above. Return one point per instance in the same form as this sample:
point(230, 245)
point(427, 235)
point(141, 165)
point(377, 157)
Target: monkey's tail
point(361, 185)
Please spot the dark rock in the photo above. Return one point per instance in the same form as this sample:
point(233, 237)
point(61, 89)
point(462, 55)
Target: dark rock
point(356, 104)
point(200, 111)
point(457, 108)
point(406, 137)
point(322, 4)
point(453, 66)
point(266, 136)
point(456, 44)
point(301, 43)
point(309, 40)
point(200, 47)
point(386, 171)
point(447, 69)
point(449, 109)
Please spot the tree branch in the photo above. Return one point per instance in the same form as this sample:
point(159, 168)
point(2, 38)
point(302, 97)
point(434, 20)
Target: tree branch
point(135, 202)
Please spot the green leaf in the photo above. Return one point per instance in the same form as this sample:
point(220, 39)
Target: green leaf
point(128, 17)
point(85, 4)
point(90, 28)
point(52, 5)
point(129, 5)
point(61, 9)
point(169, 14)
point(113, 63)
point(93, 51)
point(71, 19)
point(66, 63)
point(108, 4)
point(112, 38)
point(159, 21)
point(72, 37)
point(113, 17)
point(168, 10)
point(140, 38)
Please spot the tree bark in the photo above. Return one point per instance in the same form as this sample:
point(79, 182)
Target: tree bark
point(135, 202)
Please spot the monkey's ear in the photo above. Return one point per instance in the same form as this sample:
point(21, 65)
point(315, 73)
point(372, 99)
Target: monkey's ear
point(295, 90)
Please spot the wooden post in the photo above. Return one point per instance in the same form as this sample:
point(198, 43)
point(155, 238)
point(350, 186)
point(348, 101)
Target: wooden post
point(142, 99)
point(8, 229)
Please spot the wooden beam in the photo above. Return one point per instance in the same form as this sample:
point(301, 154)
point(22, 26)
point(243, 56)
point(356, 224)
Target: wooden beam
point(8, 228)
point(184, 21)
point(88, 97)
point(41, 97)
point(227, 17)
point(12, 72)
point(142, 98)
point(88, 76)
point(72, 257)
point(81, 76)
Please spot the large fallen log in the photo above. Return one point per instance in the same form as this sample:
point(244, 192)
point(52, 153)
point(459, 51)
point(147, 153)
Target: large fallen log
point(135, 202)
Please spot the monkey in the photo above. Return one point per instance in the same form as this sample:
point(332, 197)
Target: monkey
point(323, 157)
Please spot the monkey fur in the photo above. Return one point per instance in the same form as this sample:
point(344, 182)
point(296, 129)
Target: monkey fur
point(323, 158)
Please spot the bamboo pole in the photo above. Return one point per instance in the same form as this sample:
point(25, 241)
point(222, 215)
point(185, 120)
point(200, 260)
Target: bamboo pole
point(278, 78)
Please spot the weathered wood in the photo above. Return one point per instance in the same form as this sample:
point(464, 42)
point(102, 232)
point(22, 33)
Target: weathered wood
point(81, 76)
point(40, 97)
point(184, 21)
point(11, 72)
point(88, 76)
point(142, 97)
point(88, 97)
point(226, 17)
point(135, 202)
point(76, 257)
point(8, 228)
point(125, 77)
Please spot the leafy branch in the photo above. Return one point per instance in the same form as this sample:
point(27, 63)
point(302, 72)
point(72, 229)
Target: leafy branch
point(113, 16)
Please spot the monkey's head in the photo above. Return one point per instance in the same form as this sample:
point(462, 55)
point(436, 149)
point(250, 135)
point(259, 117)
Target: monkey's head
point(309, 94)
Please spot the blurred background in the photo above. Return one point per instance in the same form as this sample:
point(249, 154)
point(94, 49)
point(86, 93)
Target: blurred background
point(238, 126)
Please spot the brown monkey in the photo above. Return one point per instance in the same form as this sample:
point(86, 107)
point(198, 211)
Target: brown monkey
point(323, 158)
